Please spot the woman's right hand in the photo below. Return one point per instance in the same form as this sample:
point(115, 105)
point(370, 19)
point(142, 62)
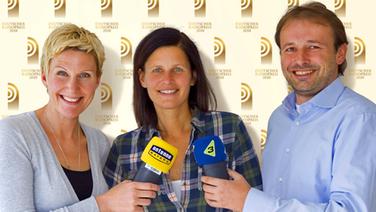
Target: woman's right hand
point(127, 196)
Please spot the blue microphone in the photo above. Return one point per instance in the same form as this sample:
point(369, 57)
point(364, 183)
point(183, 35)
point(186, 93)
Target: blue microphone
point(209, 153)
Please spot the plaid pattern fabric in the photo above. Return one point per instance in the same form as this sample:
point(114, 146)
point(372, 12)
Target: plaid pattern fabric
point(124, 160)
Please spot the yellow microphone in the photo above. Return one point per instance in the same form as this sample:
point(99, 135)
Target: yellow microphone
point(157, 158)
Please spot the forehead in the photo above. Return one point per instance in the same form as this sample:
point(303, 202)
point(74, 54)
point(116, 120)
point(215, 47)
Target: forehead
point(168, 53)
point(306, 29)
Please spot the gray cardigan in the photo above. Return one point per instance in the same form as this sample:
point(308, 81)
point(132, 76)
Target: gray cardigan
point(31, 177)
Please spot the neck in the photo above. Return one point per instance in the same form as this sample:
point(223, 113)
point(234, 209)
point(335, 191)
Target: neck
point(172, 122)
point(63, 128)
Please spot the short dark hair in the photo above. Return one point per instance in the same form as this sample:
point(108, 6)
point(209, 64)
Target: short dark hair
point(319, 13)
point(201, 95)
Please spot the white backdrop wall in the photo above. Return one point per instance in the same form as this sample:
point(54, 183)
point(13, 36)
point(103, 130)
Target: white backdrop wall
point(235, 38)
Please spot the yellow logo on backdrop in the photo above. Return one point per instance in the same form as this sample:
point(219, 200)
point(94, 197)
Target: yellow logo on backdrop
point(219, 50)
point(106, 8)
point(340, 7)
point(246, 8)
point(13, 96)
point(106, 96)
point(246, 96)
point(263, 139)
point(292, 3)
point(59, 6)
point(153, 8)
point(359, 51)
point(125, 51)
point(200, 8)
point(32, 51)
point(266, 51)
point(13, 8)
point(210, 149)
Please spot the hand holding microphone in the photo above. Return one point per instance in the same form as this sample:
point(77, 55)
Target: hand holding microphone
point(209, 153)
point(157, 158)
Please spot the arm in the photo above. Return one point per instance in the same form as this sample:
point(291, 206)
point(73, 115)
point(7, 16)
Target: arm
point(123, 195)
point(231, 194)
point(16, 178)
point(353, 173)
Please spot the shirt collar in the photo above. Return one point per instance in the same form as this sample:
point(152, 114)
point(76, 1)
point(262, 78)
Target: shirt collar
point(198, 123)
point(327, 98)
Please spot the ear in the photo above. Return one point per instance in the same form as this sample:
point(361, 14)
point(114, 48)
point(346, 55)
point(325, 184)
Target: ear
point(44, 78)
point(341, 54)
point(99, 78)
point(141, 77)
point(194, 78)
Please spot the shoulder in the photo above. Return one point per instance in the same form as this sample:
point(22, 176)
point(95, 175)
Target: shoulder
point(17, 134)
point(354, 103)
point(137, 137)
point(98, 140)
point(18, 126)
point(15, 122)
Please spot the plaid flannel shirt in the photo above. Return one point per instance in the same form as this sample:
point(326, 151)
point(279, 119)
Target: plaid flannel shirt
point(125, 158)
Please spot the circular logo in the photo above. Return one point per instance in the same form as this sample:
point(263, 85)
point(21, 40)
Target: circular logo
point(32, 47)
point(246, 93)
point(125, 47)
point(359, 47)
point(105, 92)
point(266, 46)
point(219, 47)
point(12, 92)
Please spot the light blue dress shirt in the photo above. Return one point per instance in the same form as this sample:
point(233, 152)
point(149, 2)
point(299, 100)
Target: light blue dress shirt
point(322, 158)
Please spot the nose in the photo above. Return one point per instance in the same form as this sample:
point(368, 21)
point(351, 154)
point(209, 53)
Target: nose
point(301, 57)
point(73, 83)
point(167, 77)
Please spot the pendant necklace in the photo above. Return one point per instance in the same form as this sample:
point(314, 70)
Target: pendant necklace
point(61, 149)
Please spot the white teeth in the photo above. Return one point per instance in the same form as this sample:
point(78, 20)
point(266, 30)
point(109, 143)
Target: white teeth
point(167, 91)
point(302, 72)
point(70, 99)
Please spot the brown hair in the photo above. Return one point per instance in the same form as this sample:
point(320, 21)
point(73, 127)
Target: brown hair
point(201, 95)
point(316, 12)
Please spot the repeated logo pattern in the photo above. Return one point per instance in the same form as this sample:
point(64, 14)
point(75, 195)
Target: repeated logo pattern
point(13, 96)
point(125, 51)
point(246, 8)
point(219, 50)
point(246, 96)
point(359, 51)
point(106, 96)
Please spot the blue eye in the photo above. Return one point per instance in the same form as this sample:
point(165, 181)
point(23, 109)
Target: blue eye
point(313, 47)
point(156, 70)
point(62, 73)
point(290, 49)
point(85, 75)
point(179, 69)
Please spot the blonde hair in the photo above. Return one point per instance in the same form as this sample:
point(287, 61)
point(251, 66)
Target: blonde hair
point(70, 36)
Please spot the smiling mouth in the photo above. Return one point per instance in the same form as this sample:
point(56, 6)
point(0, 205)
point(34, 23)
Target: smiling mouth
point(303, 72)
point(70, 99)
point(168, 91)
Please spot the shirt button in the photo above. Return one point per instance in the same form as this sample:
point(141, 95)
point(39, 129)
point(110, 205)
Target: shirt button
point(297, 123)
point(280, 179)
point(287, 150)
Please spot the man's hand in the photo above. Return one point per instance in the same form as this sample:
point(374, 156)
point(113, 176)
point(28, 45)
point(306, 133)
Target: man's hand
point(230, 194)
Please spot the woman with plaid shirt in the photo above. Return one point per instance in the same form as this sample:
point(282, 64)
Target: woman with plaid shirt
point(171, 97)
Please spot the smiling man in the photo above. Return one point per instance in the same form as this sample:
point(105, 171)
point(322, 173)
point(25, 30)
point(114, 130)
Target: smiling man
point(321, 145)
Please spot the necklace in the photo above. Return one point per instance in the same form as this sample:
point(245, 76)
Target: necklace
point(61, 149)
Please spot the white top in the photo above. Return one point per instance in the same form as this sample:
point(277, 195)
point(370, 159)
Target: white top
point(32, 178)
point(176, 186)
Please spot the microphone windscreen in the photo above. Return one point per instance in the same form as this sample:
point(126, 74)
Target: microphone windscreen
point(209, 150)
point(159, 154)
